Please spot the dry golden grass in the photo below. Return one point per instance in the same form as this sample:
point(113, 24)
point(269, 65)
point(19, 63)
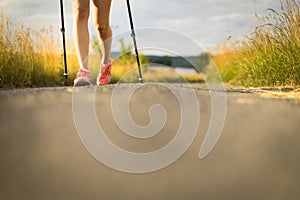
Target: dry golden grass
point(270, 56)
point(29, 58)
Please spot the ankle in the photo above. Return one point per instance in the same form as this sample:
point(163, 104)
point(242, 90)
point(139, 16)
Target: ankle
point(106, 62)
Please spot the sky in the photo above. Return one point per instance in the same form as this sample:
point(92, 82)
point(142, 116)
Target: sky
point(206, 23)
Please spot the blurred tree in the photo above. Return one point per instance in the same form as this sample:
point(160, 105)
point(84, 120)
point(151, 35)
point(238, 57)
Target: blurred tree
point(202, 61)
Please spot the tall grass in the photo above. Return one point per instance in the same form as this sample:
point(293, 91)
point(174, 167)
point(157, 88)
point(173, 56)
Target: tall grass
point(271, 56)
point(29, 58)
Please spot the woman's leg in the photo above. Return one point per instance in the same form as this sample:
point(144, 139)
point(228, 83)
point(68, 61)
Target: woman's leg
point(102, 23)
point(81, 13)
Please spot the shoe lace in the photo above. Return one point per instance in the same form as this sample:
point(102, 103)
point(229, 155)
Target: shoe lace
point(82, 73)
point(105, 71)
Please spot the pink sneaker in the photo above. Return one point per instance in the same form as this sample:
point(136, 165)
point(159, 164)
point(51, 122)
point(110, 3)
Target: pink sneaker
point(104, 75)
point(83, 78)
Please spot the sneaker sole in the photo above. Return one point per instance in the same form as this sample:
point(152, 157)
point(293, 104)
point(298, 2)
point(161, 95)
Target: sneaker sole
point(81, 83)
point(101, 84)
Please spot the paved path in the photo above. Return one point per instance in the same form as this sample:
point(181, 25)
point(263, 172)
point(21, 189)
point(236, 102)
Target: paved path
point(42, 157)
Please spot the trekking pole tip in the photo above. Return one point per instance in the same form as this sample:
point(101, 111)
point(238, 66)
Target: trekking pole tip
point(66, 75)
point(141, 80)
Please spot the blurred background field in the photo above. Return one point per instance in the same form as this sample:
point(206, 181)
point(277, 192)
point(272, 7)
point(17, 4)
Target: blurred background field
point(269, 56)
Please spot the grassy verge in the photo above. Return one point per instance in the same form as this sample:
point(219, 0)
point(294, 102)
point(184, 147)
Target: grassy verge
point(271, 56)
point(30, 58)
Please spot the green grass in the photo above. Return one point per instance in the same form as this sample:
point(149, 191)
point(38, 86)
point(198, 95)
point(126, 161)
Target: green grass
point(271, 56)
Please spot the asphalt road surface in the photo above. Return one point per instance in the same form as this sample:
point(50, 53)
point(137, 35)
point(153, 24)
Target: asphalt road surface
point(42, 156)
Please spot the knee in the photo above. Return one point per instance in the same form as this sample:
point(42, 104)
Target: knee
point(81, 14)
point(104, 29)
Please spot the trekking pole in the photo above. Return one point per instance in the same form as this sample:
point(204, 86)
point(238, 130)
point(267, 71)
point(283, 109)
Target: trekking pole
point(134, 42)
point(62, 30)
